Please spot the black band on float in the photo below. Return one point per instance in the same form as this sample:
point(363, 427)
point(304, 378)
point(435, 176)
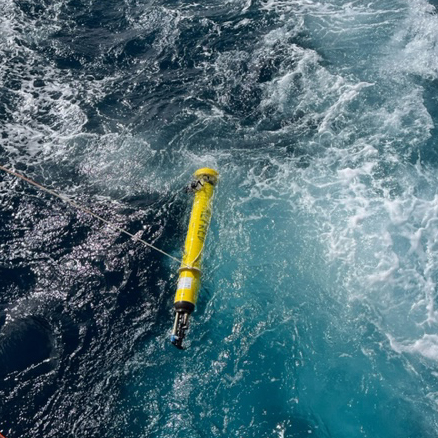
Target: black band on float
point(185, 306)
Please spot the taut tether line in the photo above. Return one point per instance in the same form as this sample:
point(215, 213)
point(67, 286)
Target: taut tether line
point(86, 210)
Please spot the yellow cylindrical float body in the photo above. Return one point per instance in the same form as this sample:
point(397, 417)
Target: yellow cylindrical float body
point(190, 270)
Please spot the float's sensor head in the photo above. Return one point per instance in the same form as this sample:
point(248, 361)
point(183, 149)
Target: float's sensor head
point(180, 326)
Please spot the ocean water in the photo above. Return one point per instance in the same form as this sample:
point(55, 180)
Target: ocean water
point(318, 309)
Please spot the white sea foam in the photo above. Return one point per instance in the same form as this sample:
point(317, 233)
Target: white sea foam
point(42, 109)
point(426, 346)
point(367, 205)
point(414, 48)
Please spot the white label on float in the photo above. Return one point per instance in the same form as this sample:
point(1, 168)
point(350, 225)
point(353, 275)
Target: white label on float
point(185, 283)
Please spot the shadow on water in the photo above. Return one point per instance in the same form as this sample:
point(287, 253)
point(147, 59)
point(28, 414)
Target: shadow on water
point(26, 341)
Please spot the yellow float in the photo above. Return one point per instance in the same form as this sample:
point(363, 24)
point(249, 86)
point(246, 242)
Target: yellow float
point(190, 270)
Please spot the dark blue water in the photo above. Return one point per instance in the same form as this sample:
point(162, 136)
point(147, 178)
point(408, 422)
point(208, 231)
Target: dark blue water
point(317, 315)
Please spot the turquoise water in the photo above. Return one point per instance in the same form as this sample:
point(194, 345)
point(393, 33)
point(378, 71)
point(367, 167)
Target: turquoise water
point(317, 314)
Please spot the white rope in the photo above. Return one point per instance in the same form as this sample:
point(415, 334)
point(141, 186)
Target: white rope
point(85, 210)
